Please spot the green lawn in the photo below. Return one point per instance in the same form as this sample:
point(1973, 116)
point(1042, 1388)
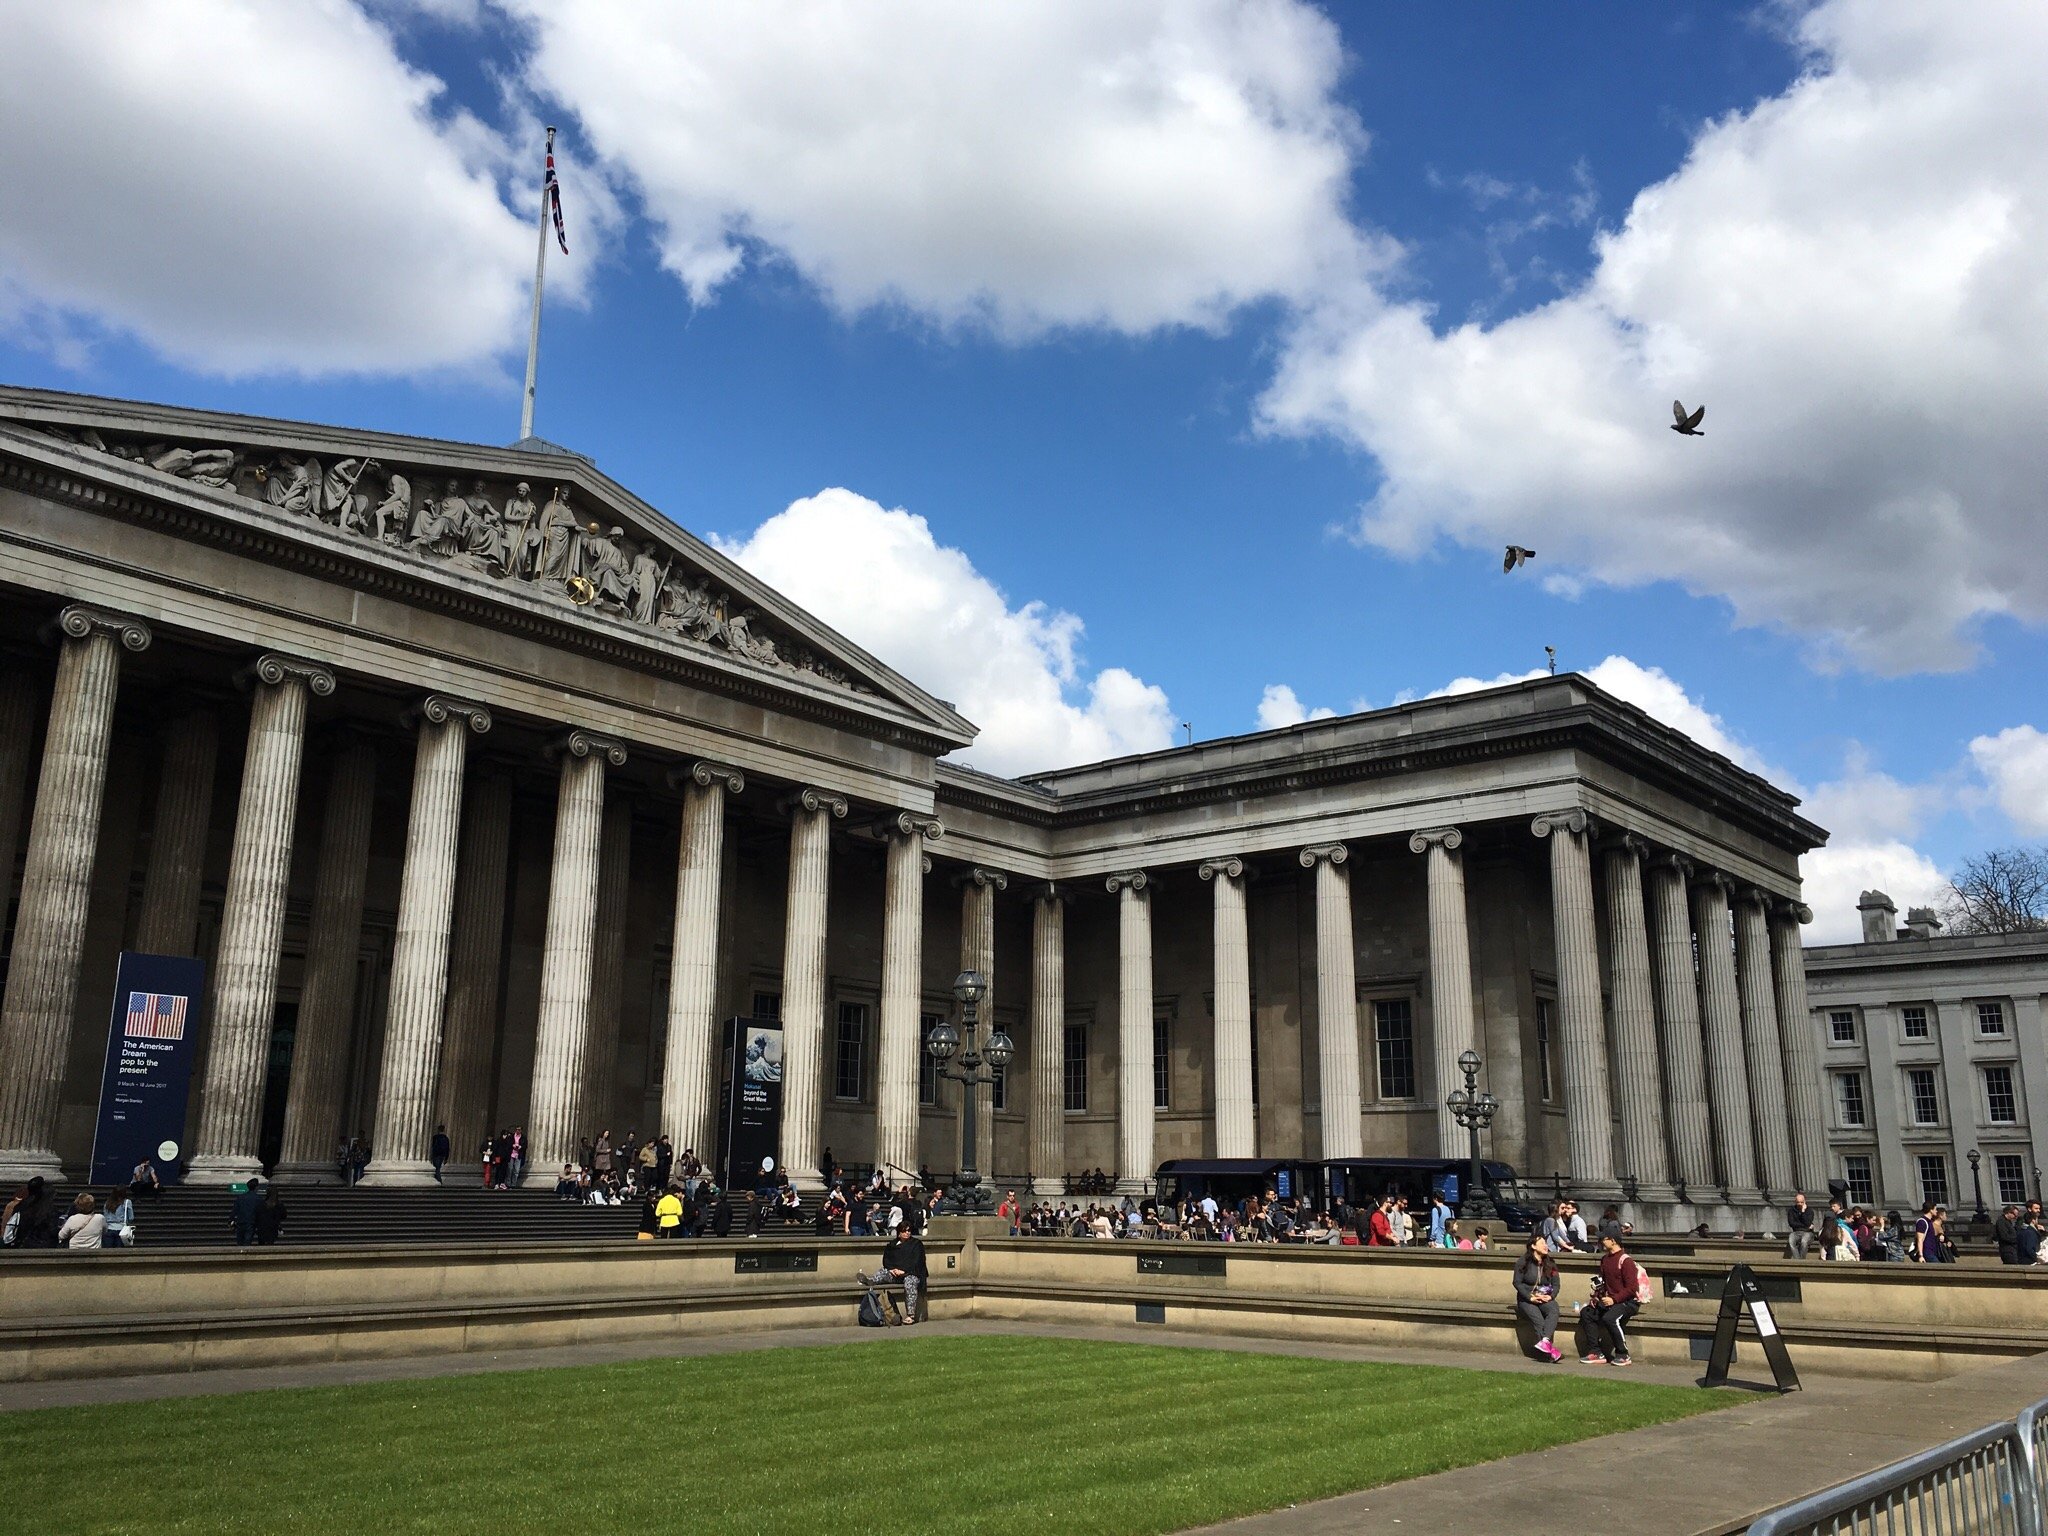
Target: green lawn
point(901, 1435)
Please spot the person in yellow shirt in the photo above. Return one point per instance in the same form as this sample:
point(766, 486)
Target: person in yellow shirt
point(668, 1213)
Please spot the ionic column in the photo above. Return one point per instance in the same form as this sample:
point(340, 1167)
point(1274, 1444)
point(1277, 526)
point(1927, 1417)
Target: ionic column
point(252, 919)
point(410, 1073)
point(1048, 1044)
point(469, 1035)
point(607, 968)
point(1761, 1040)
point(978, 889)
point(1636, 1076)
point(1450, 975)
point(1231, 1052)
point(169, 920)
point(565, 965)
point(811, 814)
point(1678, 1005)
point(1135, 1109)
point(902, 959)
point(1806, 1106)
point(688, 1112)
point(327, 997)
point(18, 708)
point(1588, 1110)
point(56, 886)
point(1721, 1010)
point(1336, 1001)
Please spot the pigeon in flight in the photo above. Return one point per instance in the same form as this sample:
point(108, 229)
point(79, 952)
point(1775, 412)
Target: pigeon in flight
point(1688, 426)
point(1516, 555)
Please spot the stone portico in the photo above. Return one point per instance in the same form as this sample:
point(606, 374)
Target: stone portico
point(486, 792)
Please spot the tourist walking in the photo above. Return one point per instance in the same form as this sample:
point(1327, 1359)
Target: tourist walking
point(243, 1213)
point(270, 1214)
point(1536, 1296)
point(438, 1151)
point(2005, 1232)
point(120, 1214)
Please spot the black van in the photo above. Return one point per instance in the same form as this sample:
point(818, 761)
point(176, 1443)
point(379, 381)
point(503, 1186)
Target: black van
point(1359, 1181)
point(1230, 1179)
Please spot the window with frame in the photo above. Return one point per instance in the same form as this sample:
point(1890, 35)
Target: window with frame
point(1921, 1095)
point(1856, 1174)
point(849, 1051)
point(2009, 1169)
point(1913, 1023)
point(1393, 1028)
point(1543, 1075)
point(1991, 1018)
point(1162, 1061)
point(1933, 1170)
point(927, 1063)
point(1074, 1069)
point(767, 1005)
point(1842, 1027)
point(1998, 1096)
point(1849, 1095)
point(999, 1090)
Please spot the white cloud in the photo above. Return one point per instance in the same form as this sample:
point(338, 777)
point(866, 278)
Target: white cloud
point(1872, 821)
point(252, 187)
point(1852, 276)
point(1279, 707)
point(2015, 764)
point(1013, 163)
point(879, 577)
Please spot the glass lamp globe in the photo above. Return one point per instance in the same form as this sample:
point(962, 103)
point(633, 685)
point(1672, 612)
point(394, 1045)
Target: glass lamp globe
point(1468, 1061)
point(969, 988)
point(1000, 1049)
point(943, 1041)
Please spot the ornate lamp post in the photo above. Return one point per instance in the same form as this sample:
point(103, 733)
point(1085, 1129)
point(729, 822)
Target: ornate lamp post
point(965, 1196)
point(1474, 1111)
point(1980, 1215)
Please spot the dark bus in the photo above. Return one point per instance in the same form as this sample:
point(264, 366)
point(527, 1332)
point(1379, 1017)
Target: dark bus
point(1362, 1180)
point(1230, 1179)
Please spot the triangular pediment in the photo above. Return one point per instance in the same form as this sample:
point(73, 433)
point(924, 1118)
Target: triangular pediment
point(540, 521)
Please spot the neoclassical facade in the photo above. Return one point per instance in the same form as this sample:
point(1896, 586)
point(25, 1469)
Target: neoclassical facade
point(486, 792)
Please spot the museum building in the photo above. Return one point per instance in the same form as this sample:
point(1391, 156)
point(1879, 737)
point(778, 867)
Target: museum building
point(485, 792)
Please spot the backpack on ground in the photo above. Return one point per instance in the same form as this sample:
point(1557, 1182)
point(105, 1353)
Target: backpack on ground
point(871, 1314)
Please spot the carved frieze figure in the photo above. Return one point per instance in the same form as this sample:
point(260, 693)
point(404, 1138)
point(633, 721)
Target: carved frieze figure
point(394, 512)
point(560, 540)
point(202, 466)
point(294, 486)
point(739, 634)
point(646, 580)
point(340, 501)
point(426, 519)
point(606, 568)
point(483, 535)
point(520, 534)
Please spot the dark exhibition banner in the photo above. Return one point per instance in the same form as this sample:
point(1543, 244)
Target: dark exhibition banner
point(752, 1111)
point(149, 1066)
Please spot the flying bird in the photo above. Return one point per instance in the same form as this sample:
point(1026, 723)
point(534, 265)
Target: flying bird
point(1688, 426)
point(1516, 555)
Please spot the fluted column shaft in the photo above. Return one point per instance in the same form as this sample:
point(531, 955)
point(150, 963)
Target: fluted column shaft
point(1588, 1108)
point(56, 888)
point(689, 1112)
point(462, 1100)
point(565, 967)
point(1048, 1044)
point(1135, 1110)
point(327, 996)
point(1336, 1002)
point(1231, 1051)
point(978, 953)
point(419, 959)
point(607, 970)
point(252, 921)
point(803, 983)
point(1727, 1072)
point(169, 921)
point(1806, 1106)
point(902, 962)
point(1678, 1004)
point(1450, 976)
point(1637, 1078)
point(1763, 1048)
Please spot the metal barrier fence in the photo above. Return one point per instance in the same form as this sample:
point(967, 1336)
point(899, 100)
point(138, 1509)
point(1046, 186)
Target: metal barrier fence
point(1987, 1482)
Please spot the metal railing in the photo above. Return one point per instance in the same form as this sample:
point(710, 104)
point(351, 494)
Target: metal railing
point(1988, 1482)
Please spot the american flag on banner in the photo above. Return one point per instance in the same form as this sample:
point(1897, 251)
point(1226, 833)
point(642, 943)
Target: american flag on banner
point(155, 1016)
point(554, 192)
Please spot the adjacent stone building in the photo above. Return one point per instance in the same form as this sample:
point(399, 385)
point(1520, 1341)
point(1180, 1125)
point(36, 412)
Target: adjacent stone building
point(486, 792)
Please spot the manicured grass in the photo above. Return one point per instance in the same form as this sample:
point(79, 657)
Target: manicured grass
point(901, 1435)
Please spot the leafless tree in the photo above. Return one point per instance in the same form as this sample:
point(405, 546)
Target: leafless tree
point(2003, 891)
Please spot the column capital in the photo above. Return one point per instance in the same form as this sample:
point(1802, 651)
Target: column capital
point(1230, 868)
point(704, 774)
point(1623, 841)
point(1132, 880)
point(812, 799)
point(1450, 839)
point(577, 742)
point(981, 875)
point(1575, 821)
point(1791, 913)
point(1677, 863)
point(1317, 853)
point(440, 709)
point(1750, 895)
point(1705, 878)
point(79, 620)
point(909, 824)
point(271, 669)
point(1051, 893)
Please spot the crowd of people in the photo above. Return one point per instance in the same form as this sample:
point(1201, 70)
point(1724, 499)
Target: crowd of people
point(94, 1219)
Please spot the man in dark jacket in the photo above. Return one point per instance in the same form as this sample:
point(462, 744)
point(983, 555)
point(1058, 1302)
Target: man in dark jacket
point(246, 1205)
point(439, 1150)
point(904, 1260)
point(2006, 1233)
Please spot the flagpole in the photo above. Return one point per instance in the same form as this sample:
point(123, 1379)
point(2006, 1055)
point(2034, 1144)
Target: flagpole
point(540, 267)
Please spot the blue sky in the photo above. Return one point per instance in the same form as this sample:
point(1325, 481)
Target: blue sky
point(1384, 286)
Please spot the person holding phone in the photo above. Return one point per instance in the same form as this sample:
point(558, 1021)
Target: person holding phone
point(1536, 1295)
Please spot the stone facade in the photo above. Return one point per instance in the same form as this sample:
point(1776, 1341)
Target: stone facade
point(600, 789)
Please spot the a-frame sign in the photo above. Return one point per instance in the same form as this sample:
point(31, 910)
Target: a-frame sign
point(1740, 1291)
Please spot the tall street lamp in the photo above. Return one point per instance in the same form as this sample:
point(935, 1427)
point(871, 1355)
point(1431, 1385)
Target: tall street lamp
point(1980, 1215)
point(1474, 1111)
point(965, 1196)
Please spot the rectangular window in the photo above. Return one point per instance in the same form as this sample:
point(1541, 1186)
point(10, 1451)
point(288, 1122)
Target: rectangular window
point(1990, 1018)
point(1856, 1173)
point(1393, 1024)
point(1842, 1028)
point(767, 1005)
point(1849, 1093)
point(849, 1050)
point(927, 1063)
point(999, 1090)
point(1914, 1022)
point(1162, 1062)
point(1543, 1049)
point(1933, 1178)
point(1998, 1096)
point(1074, 1069)
point(1920, 1092)
point(2010, 1169)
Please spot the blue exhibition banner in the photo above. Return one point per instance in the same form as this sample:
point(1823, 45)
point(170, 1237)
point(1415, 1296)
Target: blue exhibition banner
point(148, 1073)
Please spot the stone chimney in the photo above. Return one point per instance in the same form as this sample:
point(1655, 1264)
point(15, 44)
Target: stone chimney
point(1880, 918)
point(1921, 923)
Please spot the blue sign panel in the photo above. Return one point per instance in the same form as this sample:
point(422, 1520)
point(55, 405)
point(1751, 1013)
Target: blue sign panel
point(150, 1044)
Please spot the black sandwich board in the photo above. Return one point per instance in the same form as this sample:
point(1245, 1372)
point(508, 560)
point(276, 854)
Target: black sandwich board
point(1742, 1291)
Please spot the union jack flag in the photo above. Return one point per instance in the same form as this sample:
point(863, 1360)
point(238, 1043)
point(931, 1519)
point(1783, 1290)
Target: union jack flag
point(554, 195)
point(155, 1016)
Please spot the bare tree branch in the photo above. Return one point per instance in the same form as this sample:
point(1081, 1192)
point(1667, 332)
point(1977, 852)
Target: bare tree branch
point(2003, 891)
